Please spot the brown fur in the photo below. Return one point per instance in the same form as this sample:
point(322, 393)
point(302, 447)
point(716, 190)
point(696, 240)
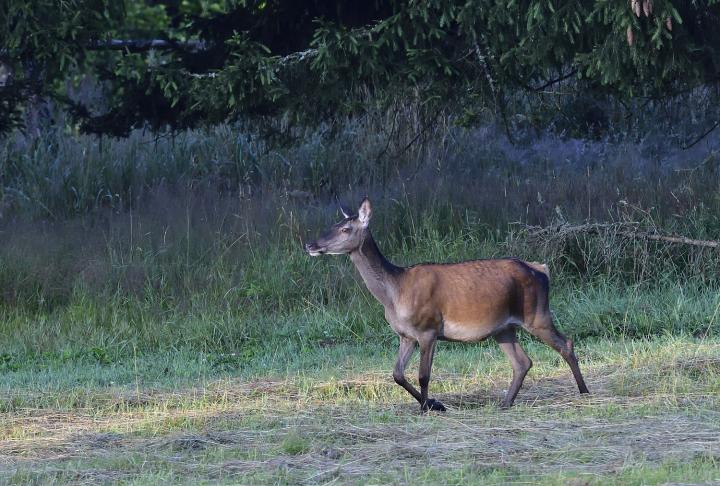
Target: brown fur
point(479, 297)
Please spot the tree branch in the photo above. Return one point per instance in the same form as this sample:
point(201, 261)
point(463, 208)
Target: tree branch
point(141, 45)
point(697, 140)
point(549, 83)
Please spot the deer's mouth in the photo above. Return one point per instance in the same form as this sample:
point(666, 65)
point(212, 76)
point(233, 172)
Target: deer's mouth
point(313, 250)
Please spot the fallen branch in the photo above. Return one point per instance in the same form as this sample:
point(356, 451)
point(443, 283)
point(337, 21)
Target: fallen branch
point(627, 230)
point(683, 240)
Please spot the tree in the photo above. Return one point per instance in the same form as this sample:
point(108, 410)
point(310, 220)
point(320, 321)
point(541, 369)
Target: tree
point(222, 60)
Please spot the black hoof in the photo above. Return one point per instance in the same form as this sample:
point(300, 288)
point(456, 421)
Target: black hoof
point(432, 404)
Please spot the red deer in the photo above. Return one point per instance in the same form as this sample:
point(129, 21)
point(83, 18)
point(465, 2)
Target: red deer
point(468, 302)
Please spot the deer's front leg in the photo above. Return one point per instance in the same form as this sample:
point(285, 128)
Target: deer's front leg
point(407, 347)
point(427, 351)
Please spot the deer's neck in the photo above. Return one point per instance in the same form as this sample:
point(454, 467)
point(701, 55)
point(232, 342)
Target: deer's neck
point(379, 275)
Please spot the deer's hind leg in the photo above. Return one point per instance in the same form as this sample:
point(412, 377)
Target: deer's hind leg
point(544, 329)
point(520, 362)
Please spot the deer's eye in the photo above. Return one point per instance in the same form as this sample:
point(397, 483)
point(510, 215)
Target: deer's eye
point(345, 230)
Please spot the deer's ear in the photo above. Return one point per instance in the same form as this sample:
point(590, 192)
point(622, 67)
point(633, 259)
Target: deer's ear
point(365, 212)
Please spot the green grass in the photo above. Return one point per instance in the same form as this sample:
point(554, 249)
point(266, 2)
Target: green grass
point(336, 414)
point(236, 300)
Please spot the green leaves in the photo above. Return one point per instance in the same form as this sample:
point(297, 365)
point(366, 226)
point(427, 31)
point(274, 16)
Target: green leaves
point(308, 62)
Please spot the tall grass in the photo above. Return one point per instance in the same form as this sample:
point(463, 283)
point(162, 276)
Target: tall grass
point(194, 241)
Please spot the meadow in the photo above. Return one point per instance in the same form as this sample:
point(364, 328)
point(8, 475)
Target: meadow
point(159, 320)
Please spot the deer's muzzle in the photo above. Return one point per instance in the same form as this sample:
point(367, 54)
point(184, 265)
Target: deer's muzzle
point(314, 250)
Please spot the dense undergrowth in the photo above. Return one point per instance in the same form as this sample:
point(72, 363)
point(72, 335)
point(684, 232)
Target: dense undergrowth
point(195, 241)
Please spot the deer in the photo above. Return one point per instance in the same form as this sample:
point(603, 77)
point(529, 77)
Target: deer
point(467, 302)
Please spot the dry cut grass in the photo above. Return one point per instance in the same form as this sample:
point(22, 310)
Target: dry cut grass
point(642, 416)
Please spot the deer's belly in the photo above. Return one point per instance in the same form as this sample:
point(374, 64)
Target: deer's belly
point(471, 332)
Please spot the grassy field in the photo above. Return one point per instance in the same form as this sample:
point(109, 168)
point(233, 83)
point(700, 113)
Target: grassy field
point(159, 321)
point(333, 414)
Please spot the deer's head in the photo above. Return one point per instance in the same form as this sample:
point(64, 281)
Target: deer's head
point(346, 236)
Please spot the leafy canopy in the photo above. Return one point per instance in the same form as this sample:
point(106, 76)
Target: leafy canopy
point(304, 62)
